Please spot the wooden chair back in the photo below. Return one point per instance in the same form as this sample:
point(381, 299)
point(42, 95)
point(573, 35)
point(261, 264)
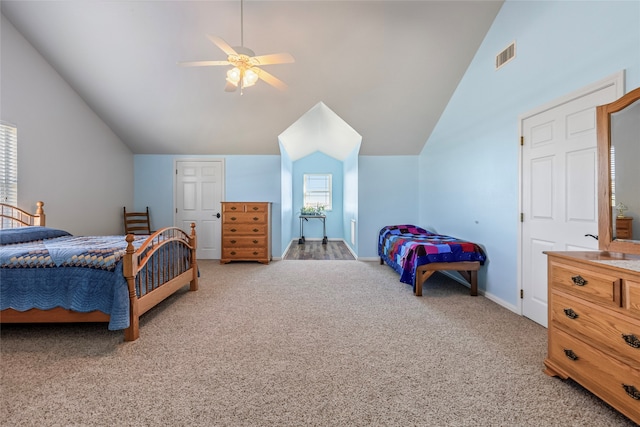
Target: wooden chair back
point(137, 222)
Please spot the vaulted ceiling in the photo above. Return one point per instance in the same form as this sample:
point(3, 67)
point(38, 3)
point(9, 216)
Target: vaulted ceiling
point(387, 68)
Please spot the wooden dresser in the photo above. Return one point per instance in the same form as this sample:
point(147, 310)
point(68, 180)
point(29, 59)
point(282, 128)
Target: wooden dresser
point(594, 325)
point(246, 232)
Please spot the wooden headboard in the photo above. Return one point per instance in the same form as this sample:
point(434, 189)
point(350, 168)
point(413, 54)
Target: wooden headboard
point(12, 217)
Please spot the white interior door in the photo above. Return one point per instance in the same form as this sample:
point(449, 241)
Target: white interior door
point(199, 191)
point(559, 188)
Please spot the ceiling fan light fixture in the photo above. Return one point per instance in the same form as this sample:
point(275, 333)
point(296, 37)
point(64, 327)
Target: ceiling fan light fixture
point(244, 63)
point(233, 76)
point(249, 78)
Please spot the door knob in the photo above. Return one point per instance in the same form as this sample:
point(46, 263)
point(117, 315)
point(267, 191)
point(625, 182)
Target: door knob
point(218, 215)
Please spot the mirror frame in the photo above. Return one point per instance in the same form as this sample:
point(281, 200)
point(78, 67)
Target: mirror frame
point(606, 242)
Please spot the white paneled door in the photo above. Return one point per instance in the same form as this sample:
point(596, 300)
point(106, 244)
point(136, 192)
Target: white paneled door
point(559, 188)
point(199, 191)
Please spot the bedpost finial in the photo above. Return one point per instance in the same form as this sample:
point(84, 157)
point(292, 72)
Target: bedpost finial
point(40, 220)
point(130, 239)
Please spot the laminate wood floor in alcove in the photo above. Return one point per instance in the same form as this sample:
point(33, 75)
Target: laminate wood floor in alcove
point(334, 250)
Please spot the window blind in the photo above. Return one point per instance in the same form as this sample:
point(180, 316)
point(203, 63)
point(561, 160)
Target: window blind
point(8, 164)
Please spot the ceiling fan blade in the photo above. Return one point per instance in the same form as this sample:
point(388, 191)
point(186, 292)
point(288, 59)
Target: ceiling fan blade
point(202, 63)
point(273, 81)
point(274, 58)
point(230, 87)
point(222, 45)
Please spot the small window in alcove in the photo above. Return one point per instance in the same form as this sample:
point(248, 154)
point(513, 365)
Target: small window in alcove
point(317, 190)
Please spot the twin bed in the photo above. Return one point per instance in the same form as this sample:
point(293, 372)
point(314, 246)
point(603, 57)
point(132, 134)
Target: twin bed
point(49, 276)
point(416, 254)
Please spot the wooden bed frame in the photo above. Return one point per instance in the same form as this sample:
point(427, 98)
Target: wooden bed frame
point(467, 269)
point(136, 267)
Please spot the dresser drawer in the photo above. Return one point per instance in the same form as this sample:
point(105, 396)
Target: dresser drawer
point(606, 377)
point(631, 297)
point(244, 253)
point(245, 207)
point(244, 242)
point(233, 207)
point(256, 207)
point(245, 217)
point(596, 287)
point(244, 229)
point(599, 326)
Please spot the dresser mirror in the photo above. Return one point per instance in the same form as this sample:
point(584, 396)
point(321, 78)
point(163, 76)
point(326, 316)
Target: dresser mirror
point(619, 174)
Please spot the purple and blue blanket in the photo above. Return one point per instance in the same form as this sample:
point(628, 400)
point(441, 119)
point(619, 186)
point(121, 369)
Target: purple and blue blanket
point(406, 247)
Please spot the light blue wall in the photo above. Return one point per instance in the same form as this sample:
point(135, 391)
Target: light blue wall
point(350, 199)
point(247, 178)
point(469, 166)
point(154, 177)
point(318, 163)
point(387, 194)
point(286, 191)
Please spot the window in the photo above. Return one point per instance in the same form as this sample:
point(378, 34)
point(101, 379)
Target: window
point(317, 190)
point(8, 164)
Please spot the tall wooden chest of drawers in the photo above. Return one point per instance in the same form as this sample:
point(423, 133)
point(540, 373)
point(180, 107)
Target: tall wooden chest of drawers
point(594, 325)
point(246, 232)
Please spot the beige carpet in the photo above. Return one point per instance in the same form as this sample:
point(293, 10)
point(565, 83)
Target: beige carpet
point(296, 343)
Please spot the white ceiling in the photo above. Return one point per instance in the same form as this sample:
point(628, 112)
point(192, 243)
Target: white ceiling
point(387, 68)
point(320, 129)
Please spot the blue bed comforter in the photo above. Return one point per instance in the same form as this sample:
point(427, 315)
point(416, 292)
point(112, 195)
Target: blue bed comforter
point(44, 268)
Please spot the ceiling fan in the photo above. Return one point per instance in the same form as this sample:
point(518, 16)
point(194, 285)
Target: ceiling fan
point(245, 71)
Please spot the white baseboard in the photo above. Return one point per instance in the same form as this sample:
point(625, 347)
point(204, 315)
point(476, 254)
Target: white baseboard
point(485, 294)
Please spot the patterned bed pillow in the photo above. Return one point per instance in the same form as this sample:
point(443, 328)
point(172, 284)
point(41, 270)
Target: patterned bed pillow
point(28, 234)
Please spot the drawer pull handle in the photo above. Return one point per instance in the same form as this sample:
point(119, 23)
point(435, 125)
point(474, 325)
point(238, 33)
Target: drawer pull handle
point(255, 218)
point(233, 241)
point(570, 354)
point(631, 391)
point(255, 242)
point(233, 230)
point(255, 253)
point(233, 218)
point(255, 208)
point(255, 230)
point(570, 313)
point(632, 340)
point(578, 280)
point(233, 208)
point(233, 252)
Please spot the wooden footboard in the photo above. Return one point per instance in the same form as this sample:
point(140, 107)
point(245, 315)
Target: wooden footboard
point(163, 264)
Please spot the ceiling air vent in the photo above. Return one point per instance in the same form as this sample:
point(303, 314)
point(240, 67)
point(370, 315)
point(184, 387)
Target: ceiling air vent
point(506, 55)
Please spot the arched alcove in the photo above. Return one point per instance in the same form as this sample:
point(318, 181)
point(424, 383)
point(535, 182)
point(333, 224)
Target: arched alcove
point(318, 140)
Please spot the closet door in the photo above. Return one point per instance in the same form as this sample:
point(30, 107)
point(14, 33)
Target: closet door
point(559, 188)
point(199, 191)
